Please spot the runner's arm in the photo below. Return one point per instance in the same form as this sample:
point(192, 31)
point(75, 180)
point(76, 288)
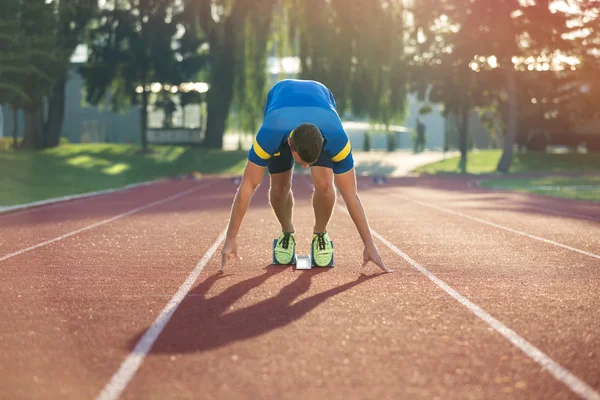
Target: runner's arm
point(258, 159)
point(346, 184)
point(253, 174)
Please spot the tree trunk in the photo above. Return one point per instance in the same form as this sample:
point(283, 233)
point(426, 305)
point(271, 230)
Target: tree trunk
point(56, 114)
point(463, 132)
point(220, 95)
point(144, 108)
point(511, 126)
point(33, 130)
point(144, 119)
point(15, 131)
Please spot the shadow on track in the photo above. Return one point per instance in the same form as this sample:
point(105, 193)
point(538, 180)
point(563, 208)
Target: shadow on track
point(201, 323)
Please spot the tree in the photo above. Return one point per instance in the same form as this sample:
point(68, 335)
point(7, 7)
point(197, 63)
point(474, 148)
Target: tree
point(357, 50)
point(224, 22)
point(529, 37)
point(466, 37)
point(251, 73)
point(73, 17)
point(441, 49)
point(133, 44)
point(584, 23)
point(38, 40)
point(13, 60)
point(45, 62)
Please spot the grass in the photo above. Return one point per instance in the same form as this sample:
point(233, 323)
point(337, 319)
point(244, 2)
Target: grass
point(6, 143)
point(485, 162)
point(581, 188)
point(27, 176)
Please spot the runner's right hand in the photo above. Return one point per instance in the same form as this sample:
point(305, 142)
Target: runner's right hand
point(228, 252)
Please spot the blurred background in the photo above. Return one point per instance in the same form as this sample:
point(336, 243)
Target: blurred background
point(101, 93)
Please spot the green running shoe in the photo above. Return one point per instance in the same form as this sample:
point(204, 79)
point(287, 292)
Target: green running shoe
point(322, 249)
point(285, 249)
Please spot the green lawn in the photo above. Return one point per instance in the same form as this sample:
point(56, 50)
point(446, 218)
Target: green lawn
point(27, 176)
point(582, 188)
point(485, 162)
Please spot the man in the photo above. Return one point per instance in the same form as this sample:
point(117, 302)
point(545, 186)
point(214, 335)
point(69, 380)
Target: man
point(420, 142)
point(301, 125)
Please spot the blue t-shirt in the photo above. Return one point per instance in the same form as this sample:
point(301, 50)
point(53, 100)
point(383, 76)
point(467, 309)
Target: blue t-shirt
point(293, 102)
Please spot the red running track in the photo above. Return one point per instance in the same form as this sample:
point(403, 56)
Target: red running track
point(494, 295)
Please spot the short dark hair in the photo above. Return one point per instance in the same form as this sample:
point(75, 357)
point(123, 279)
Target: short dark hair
point(307, 141)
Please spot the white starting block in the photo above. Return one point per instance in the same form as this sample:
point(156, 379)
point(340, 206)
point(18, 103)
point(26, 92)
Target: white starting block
point(303, 262)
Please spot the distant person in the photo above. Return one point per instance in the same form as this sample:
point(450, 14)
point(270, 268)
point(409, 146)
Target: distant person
point(301, 125)
point(420, 141)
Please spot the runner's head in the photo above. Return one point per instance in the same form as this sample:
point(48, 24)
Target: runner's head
point(306, 143)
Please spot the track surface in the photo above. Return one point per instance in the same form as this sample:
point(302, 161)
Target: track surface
point(82, 283)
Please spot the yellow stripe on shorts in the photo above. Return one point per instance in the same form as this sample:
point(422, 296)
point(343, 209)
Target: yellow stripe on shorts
point(260, 152)
point(342, 154)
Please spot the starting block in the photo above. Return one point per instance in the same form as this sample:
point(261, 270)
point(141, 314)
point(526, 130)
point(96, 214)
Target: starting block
point(303, 262)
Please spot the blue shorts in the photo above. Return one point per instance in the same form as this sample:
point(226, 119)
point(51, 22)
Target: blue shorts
point(284, 161)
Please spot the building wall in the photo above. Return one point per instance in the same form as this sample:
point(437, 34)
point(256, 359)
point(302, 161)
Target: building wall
point(97, 124)
point(8, 124)
point(435, 123)
point(435, 126)
point(87, 123)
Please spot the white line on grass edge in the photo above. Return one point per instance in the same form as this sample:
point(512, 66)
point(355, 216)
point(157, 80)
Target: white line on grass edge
point(106, 221)
point(129, 367)
point(58, 200)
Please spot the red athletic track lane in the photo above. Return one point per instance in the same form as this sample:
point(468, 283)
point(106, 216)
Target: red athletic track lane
point(262, 331)
point(25, 228)
point(72, 305)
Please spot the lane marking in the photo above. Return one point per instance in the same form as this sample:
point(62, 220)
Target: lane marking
point(483, 221)
point(551, 211)
point(50, 203)
point(129, 367)
point(106, 221)
point(555, 369)
point(565, 213)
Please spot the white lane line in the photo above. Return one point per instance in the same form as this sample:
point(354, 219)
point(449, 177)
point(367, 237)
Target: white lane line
point(548, 210)
point(49, 203)
point(106, 221)
point(129, 367)
point(483, 221)
point(555, 369)
point(569, 214)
